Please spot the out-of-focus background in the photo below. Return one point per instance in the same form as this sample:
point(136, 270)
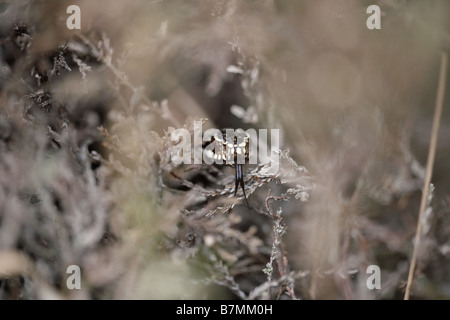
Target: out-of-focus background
point(85, 140)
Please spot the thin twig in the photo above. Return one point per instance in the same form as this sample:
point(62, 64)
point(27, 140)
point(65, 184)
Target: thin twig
point(124, 80)
point(429, 169)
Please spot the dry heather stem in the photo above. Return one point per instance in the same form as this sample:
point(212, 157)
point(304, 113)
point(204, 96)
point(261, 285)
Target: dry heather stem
point(429, 170)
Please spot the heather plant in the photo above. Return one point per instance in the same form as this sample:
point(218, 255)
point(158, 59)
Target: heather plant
point(88, 181)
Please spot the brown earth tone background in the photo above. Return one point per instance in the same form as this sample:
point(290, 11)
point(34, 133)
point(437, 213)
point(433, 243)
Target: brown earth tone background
point(85, 171)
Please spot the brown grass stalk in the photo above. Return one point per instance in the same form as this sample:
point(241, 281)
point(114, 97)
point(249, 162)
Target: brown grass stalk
point(429, 170)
